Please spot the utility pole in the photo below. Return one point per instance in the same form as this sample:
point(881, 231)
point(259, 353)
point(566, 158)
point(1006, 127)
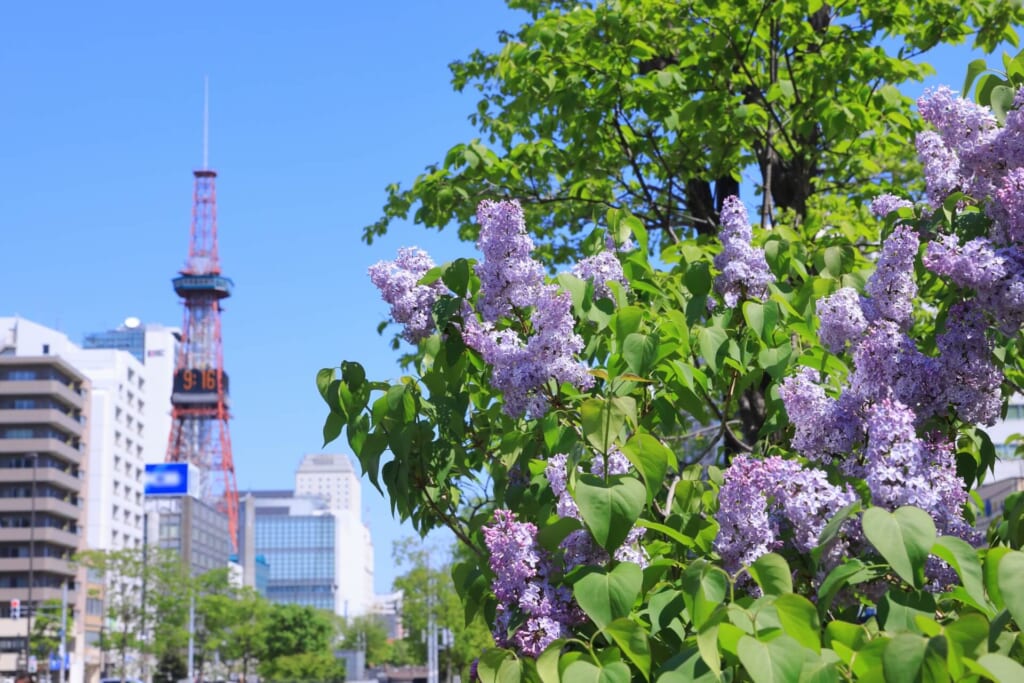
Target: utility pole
point(145, 581)
point(63, 649)
point(191, 637)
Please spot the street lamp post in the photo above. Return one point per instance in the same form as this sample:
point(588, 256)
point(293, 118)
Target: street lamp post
point(31, 558)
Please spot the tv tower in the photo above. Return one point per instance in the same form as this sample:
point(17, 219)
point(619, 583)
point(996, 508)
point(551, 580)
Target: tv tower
point(199, 402)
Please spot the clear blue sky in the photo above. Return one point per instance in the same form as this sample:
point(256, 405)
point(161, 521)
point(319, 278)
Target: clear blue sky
point(313, 110)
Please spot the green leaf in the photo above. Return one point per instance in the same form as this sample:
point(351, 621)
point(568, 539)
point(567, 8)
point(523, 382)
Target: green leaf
point(456, 276)
point(547, 662)
point(1011, 584)
point(993, 557)
point(586, 671)
point(608, 595)
point(1001, 668)
point(631, 638)
point(609, 508)
point(698, 278)
point(332, 426)
point(777, 661)
point(851, 571)
point(1002, 101)
point(710, 341)
point(687, 667)
point(976, 67)
point(499, 666)
point(651, 458)
point(603, 419)
point(899, 610)
point(963, 558)
point(323, 382)
point(799, 618)
point(775, 360)
point(704, 589)
point(903, 658)
point(640, 351)
point(904, 538)
point(772, 574)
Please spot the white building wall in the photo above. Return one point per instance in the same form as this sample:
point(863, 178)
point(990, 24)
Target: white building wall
point(353, 566)
point(332, 477)
point(161, 349)
point(117, 432)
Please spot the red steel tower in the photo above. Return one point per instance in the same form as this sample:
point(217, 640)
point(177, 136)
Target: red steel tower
point(199, 429)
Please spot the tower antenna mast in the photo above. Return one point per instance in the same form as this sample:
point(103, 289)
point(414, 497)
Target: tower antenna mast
point(206, 122)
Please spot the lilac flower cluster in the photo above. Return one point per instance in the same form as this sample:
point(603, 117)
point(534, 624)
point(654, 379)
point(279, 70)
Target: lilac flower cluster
point(996, 275)
point(763, 502)
point(411, 303)
point(511, 281)
point(744, 271)
point(600, 270)
point(968, 151)
point(579, 547)
point(901, 469)
point(532, 611)
point(884, 204)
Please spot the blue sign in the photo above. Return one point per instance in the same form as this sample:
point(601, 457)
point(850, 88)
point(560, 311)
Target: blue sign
point(172, 479)
point(55, 661)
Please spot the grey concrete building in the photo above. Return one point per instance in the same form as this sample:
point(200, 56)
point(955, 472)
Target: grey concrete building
point(43, 411)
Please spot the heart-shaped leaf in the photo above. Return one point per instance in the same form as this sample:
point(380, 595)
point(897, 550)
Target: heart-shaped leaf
point(904, 538)
point(609, 508)
point(608, 595)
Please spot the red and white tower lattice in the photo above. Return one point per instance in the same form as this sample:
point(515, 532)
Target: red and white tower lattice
point(199, 429)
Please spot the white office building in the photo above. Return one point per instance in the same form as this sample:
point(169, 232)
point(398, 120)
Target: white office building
point(155, 346)
point(332, 477)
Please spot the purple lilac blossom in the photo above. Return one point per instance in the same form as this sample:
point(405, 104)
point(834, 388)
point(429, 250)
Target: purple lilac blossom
point(888, 364)
point(970, 133)
point(902, 469)
point(884, 204)
point(891, 287)
point(600, 270)
point(824, 428)
point(510, 279)
point(997, 275)
point(509, 275)
point(941, 166)
point(762, 502)
point(411, 303)
point(972, 382)
point(1007, 206)
point(521, 370)
point(523, 588)
point(842, 319)
point(743, 270)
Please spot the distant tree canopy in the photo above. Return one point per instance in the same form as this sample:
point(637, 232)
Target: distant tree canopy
point(662, 108)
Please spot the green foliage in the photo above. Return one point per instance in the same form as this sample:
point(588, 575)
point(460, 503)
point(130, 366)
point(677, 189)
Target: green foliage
point(170, 668)
point(657, 108)
point(426, 590)
point(616, 120)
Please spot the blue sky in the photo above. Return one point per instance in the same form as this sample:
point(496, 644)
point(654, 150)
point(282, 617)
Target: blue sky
point(313, 112)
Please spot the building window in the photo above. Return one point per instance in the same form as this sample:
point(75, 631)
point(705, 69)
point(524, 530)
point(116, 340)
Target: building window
point(46, 349)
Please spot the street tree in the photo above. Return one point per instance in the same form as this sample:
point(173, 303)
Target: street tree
point(428, 588)
point(662, 109)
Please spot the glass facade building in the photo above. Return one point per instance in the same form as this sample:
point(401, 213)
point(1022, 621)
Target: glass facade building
point(300, 551)
point(132, 340)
